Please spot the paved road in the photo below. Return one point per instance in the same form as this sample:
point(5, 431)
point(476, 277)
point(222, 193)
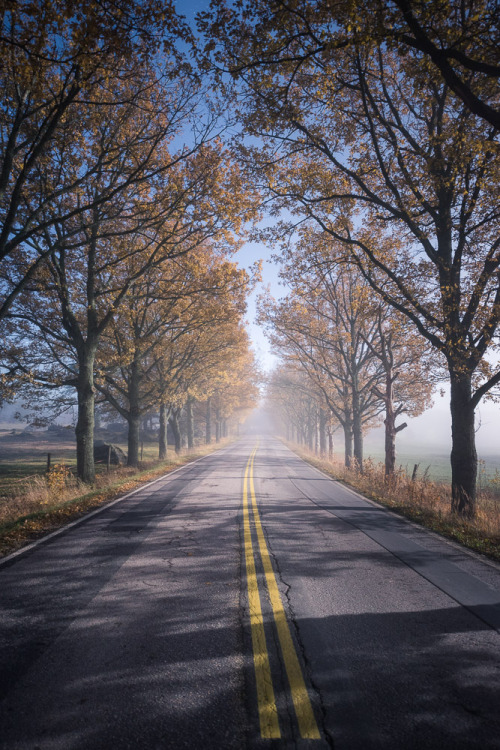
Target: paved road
point(247, 601)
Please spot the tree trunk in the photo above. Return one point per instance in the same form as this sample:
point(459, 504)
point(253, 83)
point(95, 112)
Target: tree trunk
point(390, 440)
point(162, 435)
point(84, 431)
point(348, 444)
point(386, 356)
point(208, 423)
point(322, 433)
point(189, 423)
point(390, 446)
point(134, 416)
point(217, 425)
point(174, 423)
point(390, 425)
point(463, 451)
point(347, 426)
point(357, 430)
point(330, 444)
point(311, 429)
point(134, 428)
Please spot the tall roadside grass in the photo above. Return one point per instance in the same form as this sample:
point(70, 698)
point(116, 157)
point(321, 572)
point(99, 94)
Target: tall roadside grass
point(421, 500)
point(47, 502)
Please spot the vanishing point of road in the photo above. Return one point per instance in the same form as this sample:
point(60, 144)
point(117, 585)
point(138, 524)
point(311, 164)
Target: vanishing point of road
point(248, 601)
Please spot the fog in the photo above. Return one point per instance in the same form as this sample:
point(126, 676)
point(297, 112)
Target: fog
point(426, 441)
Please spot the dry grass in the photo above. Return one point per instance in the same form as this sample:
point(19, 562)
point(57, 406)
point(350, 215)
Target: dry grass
point(48, 502)
point(426, 502)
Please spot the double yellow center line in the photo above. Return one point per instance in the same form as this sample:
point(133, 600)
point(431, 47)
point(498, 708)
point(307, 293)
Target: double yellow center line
point(268, 713)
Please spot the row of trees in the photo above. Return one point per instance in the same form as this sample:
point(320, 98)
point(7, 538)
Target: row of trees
point(176, 339)
point(119, 208)
point(352, 357)
point(299, 410)
point(378, 123)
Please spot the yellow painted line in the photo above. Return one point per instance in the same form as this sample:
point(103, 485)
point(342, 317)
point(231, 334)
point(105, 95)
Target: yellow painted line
point(305, 716)
point(268, 713)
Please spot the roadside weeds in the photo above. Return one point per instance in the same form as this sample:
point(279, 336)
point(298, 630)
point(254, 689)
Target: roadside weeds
point(420, 500)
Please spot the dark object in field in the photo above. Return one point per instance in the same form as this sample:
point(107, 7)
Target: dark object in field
point(101, 451)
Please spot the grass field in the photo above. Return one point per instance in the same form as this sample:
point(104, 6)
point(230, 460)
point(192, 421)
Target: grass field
point(23, 455)
point(435, 464)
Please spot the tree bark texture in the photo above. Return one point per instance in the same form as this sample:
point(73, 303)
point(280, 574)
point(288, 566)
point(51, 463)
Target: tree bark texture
point(84, 431)
point(134, 425)
point(390, 445)
point(330, 444)
point(134, 416)
point(217, 425)
point(311, 432)
point(463, 451)
point(322, 432)
point(357, 428)
point(390, 425)
point(174, 424)
point(162, 435)
point(347, 426)
point(189, 423)
point(208, 422)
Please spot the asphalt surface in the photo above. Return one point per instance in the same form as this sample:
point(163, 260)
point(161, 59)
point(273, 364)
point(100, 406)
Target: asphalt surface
point(132, 629)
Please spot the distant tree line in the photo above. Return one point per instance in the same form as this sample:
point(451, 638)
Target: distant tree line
point(350, 356)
